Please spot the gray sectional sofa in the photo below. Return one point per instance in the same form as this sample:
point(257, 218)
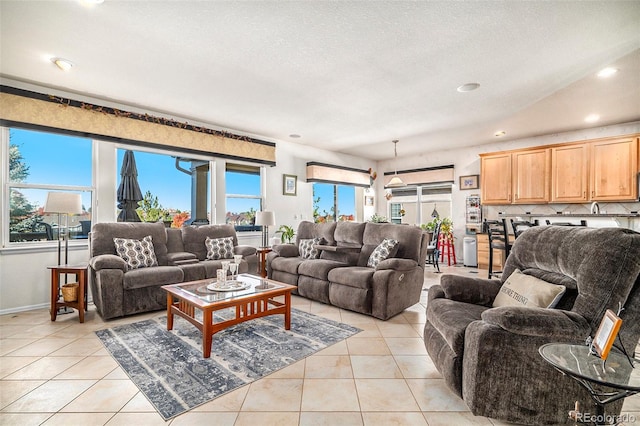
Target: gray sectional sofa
point(118, 290)
point(340, 275)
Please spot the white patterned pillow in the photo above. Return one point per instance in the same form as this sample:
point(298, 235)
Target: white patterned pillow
point(307, 249)
point(381, 252)
point(219, 248)
point(137, 253)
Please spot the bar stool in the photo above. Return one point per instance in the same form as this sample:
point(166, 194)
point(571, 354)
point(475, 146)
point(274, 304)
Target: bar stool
point(498, 240)
point(519, 226)
point(433, 249)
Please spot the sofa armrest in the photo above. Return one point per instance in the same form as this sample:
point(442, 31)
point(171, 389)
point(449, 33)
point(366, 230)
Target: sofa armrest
point(397, 264)
point(181, 258)
point(286, 250)
point(478, 291)
point(107, 261)
point(244, 250)
point(540, 322)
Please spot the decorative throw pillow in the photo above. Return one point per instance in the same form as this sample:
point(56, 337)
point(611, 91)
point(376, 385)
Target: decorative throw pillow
point(307, 249)
point(137, 253)
point(525, 290)
point(219, 248)
point(382, 252)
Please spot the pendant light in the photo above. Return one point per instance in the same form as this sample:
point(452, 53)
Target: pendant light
point(395, 181)
point(435, 213)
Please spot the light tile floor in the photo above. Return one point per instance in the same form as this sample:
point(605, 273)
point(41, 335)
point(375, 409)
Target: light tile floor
point(60, 374)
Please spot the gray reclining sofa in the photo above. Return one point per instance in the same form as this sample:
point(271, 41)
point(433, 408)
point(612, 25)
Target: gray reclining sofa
point(339, 274)
point(181, 254)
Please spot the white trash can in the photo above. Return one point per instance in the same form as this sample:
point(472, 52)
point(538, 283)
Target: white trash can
point(469, 252)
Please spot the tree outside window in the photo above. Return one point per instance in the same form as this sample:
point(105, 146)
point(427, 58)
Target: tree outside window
point(333, 203)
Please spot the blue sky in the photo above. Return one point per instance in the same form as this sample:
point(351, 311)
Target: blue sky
point(66, 160)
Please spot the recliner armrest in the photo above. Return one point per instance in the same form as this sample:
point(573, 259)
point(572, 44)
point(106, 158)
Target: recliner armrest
point(286, 250)
point(542, 322)
point(478, 291)
point(107, 261)
point(397, 264)
point(244, 250)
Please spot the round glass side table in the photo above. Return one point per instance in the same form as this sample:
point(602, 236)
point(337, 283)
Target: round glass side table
point(593, 374)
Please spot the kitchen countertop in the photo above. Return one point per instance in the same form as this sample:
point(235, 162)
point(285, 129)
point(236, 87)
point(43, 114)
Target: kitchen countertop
point(587, 215)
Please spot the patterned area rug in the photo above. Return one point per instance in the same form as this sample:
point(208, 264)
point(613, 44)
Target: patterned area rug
point(168, 367)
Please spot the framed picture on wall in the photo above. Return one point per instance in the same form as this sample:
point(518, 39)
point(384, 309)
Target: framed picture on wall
point(289, 184)
point(469, 182)
point(606, 334)
point(368, 200)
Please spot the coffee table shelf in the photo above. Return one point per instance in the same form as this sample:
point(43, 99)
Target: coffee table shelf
point(258, 300)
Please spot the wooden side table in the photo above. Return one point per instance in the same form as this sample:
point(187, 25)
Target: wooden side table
point(262, 251)
point(80, 271)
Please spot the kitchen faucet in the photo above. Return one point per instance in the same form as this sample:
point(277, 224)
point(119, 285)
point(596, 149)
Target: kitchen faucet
point(595, 208)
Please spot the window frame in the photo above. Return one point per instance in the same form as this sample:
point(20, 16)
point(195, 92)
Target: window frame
point(5, 234)
point(261, 172)
point(336, 204)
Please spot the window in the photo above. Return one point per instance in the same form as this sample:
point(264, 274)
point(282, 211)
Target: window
point(175, 189)
point(243, 195)
point(396, 212)
point(38, 163)
point(333, 203)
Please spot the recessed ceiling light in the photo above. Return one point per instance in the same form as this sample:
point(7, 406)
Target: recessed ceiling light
point(468, 87)
point(63, 64)
point(607, 72)
point(294, 136)
point(499, 133)
point(592, 118)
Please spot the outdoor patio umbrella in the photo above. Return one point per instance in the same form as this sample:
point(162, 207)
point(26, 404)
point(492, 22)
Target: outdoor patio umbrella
point(129, 191)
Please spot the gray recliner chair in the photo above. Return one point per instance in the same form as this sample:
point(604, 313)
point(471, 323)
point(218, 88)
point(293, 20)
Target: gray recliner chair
point(489, 356)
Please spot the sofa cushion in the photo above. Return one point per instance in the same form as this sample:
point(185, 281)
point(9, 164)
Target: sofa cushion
point(318, 268)
point(148, 277)
point(307, 248)
point(219, 248)
point(193, 237)
point(136, 253)
point(451, 319)
point(102, 235)
point(286, 264)
point(524, 290)
point(384, 250)
point(352, 276)
point(325, 231)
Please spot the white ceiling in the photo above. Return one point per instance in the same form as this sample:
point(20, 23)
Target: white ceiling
point(347, 76)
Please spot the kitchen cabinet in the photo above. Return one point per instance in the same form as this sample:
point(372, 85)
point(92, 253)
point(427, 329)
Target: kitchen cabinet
point(570, 173)
point(482, 244)
point(580, 172)
point(613, 169)
point(531, 176)
point(495, 178)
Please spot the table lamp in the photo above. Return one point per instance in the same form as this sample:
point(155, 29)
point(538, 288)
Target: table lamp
point(64, 204)
point(265, 219)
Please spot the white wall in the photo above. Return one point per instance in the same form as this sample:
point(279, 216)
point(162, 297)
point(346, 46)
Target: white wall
point(24, 277)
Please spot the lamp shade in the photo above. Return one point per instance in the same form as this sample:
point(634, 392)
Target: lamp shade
point(63, 202)
point(395, 182)
point(265, 218)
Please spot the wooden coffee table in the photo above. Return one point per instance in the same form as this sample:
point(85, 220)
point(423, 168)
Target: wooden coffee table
point(255, 301)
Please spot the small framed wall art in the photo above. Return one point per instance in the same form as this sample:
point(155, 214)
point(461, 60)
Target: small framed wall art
point(606, 334)
point(469, 182)
point(368, 200)
point(289, 184)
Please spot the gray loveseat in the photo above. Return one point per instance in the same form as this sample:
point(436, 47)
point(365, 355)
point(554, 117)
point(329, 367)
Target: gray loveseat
point(341, 277)
point(489, 356)
point(181, 256)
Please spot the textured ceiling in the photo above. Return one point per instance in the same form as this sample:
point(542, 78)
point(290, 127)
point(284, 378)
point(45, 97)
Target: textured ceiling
point(346, 76)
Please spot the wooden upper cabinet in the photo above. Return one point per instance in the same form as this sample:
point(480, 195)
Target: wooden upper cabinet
point(570, 174)
point(495, 179)
point(531, 176)
point(613, 169)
